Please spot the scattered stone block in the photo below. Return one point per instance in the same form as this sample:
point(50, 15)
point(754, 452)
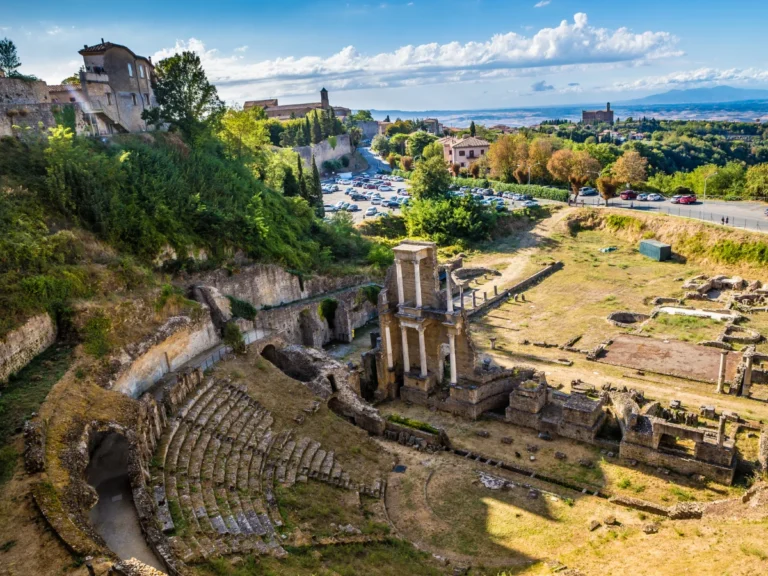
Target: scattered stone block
point(483, 433)
point(533, 494)
point(585, 463)
point(651, 528)
point(610, 521)
point(560, 456)
point(506, 440)
point(545, 436)
point(594, 525)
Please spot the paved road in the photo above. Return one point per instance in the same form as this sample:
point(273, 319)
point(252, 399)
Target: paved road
point(375, 163)
point(750, 215)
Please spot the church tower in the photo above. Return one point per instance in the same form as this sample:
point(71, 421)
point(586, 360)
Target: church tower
point(324, 104)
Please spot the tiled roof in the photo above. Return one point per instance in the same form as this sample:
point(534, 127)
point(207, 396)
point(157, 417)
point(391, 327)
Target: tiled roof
point(104, 46)
point(471, 142)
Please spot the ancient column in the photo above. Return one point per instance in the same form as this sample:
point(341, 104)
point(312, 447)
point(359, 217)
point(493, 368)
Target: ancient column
point(485, 296)
point(400, 292)
point(422, 352)
point(474, 299)
point(406, 358)
point(417, 280)
point(721, 373)
point(452, 344)
point(461, 297)
point(747, 384)
point(495, 289)
point(388, 339)
point(448, 293)
point(721, 430)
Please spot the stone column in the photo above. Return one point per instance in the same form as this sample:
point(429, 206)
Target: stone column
point(448, 293)
point(417, 280)
point(388, 340)
point(400, 292)
point(474, 299)
point(747, 384)
point(495, 289)
point(406, 358)
point(721, 431)
point(461, 297)
point(485, 296)
point(452, 344)
point(721, 373)
point(422, 352)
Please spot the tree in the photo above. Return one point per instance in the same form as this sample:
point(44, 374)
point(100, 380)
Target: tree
point(317, 191)
point(380, 144)
point(406, 163)
point(398, 142)
point(243, 131)
point(300, 177)
point(417, 141)
point(432, 150)
point(508, 157)
point(472, 129)
point(607, 188)
point(576, 168)
point(9, 57)
point(757, 181)
point(361, 116)
point(185, 97)
point(332, 141)
point(430, 179)
point(387, 119)
point(355, 136)
point(290, 184)
point(540, 150)
point(630, 168)
point(307, 129)
point(73, 80)
point(317, 131)
point(392, 160)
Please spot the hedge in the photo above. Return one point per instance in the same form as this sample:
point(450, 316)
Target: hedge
point(534, 190)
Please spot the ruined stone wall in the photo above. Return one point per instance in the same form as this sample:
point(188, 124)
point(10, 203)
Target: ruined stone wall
point(17, 91)
point(20, 346)
point(685, 466)
point(175, 343)
point(28, 117)
point(269, 285)
point(323, 151)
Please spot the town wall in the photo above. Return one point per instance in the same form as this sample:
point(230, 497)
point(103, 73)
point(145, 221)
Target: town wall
point(323, 151)
point(369, 129)
point(17, 91)
point(20, 346)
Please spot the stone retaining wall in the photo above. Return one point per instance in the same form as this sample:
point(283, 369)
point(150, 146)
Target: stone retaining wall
point(20, 346)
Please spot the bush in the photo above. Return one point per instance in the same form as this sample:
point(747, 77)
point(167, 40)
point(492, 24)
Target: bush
point(410, 423)
point(533, 190)
point(371, 293)
point(241, 308)
point(450, 220)
point(327, 311)
point(381, 256)
point(97, 339)
point(233, 337)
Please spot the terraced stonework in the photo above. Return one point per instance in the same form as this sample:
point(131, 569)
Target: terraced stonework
point(219, 462)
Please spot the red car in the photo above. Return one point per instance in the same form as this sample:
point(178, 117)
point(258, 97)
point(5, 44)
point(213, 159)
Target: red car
point(628, 195)
point(688, 199)
point(370, 186)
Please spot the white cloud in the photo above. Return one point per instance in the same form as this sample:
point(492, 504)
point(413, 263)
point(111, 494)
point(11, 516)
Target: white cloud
point(241, 49)
point(569, 44)
point(55, 31)
point(542, 3)
point(541, 86)
point(699, 77)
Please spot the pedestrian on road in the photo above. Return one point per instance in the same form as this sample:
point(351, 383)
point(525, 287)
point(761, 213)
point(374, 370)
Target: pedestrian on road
point(722, 220)
point(726, 220)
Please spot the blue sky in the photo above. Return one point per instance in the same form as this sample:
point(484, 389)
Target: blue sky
point(419, 54)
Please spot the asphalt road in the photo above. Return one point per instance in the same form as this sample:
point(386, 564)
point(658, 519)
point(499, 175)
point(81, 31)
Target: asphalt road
point(749, 215)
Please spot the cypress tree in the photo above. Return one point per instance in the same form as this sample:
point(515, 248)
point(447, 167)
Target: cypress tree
point(317, 131)
point(290, 185)
point(387, 118)
point(317, 190)
point(302, 181)
point(472, 128)
point(307, 132)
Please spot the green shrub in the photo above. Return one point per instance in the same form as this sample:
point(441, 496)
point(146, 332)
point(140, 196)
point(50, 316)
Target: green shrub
point(97, 339)
point(371, 293)
point(533, 190)
point(381, 256)
point(619, 222)
point(233, 337)
point(241, 308)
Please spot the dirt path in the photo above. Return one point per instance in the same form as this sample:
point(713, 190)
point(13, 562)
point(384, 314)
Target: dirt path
point(515, 262)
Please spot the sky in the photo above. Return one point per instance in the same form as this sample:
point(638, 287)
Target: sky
point(419, 54)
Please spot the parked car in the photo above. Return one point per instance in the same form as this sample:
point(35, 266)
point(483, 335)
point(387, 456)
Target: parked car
point(370, 186)
point(353, 208)
point(375, 200)
point(676, 199)
point(357, 197)
point(330, 208)
point(628, 195)
point(391, 204)
point(642, 197)
point(587, 191)
point(349, 190)
point(371, 211)
point(529, 204)
point(385, 188)
point(654, 197)
point(688, 199)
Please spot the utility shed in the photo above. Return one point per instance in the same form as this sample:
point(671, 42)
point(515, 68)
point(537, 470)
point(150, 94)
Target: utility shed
point(656, 250)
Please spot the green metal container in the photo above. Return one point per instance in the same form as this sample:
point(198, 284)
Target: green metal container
point(656, 250)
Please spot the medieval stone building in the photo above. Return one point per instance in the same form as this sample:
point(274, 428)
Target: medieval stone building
point(598, 116)
point(288, 111)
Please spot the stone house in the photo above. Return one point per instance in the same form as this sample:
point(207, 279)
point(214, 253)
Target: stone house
point(288, 111)
point(115, 88)
point(464, 151)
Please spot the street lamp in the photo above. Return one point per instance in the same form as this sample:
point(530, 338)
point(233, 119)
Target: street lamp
point(529, 166)
point(705, 183)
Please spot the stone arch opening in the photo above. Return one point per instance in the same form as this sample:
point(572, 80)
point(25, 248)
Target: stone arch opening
point(332, 380)
point(296, 368)
point(337, 407)
point(114, 516)
point(270, 353)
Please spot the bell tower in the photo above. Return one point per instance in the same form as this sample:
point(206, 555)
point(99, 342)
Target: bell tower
point(324, 104)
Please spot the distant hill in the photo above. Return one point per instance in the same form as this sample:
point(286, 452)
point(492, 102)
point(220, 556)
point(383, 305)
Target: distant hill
point(701, 96)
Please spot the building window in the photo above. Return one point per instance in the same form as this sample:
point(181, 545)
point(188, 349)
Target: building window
point(482, 152)
point(72, 100)
point(461, 152)
point(471, 153)
point(130, 69)
point(134, 98)
point(141, 71)
point(462, 164)
point(109, 99)
point(146, 99)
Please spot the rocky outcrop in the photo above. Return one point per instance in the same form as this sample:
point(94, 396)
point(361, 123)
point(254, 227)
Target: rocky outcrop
point(20, 346)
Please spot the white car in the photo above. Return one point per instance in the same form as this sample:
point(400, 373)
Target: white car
point(529, 204)
point(371, 211)
point(330, 208)
point(376, 200)
point(385, 188)
point(655, 197)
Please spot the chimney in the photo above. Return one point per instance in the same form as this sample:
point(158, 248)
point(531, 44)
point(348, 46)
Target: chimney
point(85, 45)
point(608, 107)
point(102, 40)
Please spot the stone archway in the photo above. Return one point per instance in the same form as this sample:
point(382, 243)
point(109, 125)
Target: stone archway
point(444, 362)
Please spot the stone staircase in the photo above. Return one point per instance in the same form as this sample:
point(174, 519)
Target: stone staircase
point(220, 463)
